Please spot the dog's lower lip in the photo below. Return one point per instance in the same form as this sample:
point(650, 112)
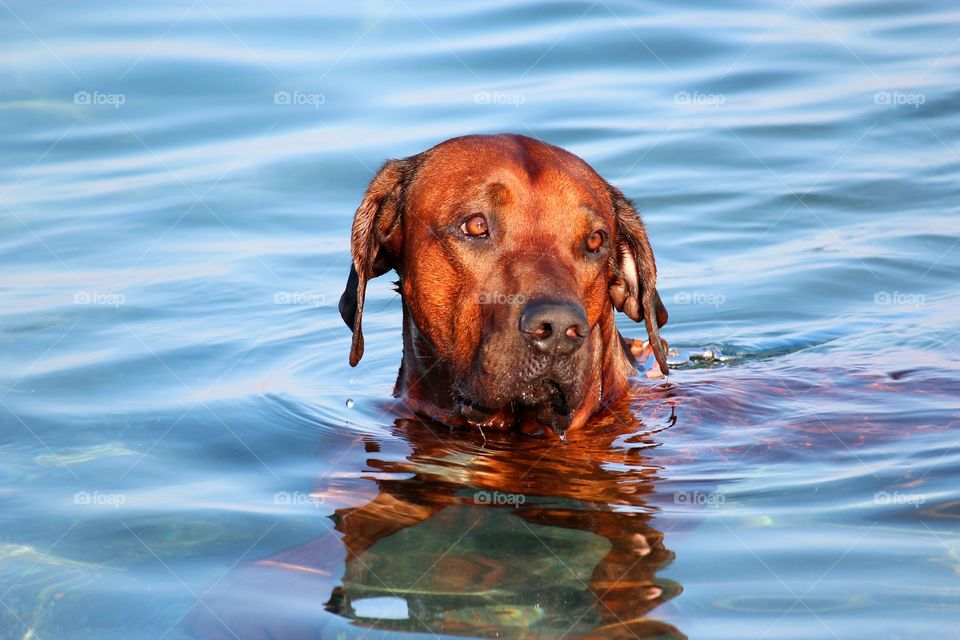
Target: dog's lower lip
point(472, 410)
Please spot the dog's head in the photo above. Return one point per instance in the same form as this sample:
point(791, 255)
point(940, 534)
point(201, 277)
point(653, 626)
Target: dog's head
point(512, 255)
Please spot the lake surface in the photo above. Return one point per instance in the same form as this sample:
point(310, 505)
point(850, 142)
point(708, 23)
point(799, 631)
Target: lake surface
point(185, 452)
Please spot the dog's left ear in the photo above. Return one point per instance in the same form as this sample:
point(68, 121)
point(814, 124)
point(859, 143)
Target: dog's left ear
point(633, 287)
point(375, 243)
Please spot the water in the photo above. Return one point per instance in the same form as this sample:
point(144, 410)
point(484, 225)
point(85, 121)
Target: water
point(185, 453)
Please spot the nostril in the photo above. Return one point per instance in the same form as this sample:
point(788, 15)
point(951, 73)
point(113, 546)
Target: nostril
point(574, 332)
point(543, 332)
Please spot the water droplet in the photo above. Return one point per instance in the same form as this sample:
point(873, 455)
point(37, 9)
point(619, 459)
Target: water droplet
point(349, 403)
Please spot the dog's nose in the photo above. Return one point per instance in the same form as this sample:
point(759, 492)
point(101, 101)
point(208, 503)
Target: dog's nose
point(554, 326)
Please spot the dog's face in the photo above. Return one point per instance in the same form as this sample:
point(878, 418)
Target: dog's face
point(512, 273)
point(512, 255)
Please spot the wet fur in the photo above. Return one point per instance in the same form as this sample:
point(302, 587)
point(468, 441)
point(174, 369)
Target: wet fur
point(465, 362)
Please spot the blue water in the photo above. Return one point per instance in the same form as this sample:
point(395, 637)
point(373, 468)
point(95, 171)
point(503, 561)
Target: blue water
point(185, 452)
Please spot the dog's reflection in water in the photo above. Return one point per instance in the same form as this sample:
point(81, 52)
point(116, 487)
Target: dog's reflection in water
point(517, 537)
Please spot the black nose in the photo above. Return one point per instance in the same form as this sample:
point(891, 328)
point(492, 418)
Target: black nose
point(554, 326)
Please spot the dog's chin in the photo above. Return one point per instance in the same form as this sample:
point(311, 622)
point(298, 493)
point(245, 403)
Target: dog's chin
point(540, 403)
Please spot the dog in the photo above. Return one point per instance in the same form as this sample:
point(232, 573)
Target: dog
point(512, 255)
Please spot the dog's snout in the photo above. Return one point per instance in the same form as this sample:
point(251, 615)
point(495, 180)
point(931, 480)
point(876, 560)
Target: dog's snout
point(554, 326)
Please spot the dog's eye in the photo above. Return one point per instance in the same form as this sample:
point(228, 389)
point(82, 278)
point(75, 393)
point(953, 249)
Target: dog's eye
point(595, 241)
point(476, 226)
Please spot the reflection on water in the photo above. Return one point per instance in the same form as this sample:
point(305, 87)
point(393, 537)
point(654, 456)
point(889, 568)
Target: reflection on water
point(497, 537)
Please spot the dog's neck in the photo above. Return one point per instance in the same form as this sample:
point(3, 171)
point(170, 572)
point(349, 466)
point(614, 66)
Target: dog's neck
point(420, 382)
point(425, 380)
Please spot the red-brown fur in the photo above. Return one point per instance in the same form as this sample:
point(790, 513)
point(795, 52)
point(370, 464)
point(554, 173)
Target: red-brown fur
point(542, 202)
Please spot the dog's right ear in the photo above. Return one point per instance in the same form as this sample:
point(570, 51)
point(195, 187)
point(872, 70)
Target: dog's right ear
point(375, 243)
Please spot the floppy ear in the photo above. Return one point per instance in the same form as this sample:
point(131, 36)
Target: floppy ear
point(633, 288)
point(375, 243)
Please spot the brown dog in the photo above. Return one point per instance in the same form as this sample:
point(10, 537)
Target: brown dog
point(512, 256)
